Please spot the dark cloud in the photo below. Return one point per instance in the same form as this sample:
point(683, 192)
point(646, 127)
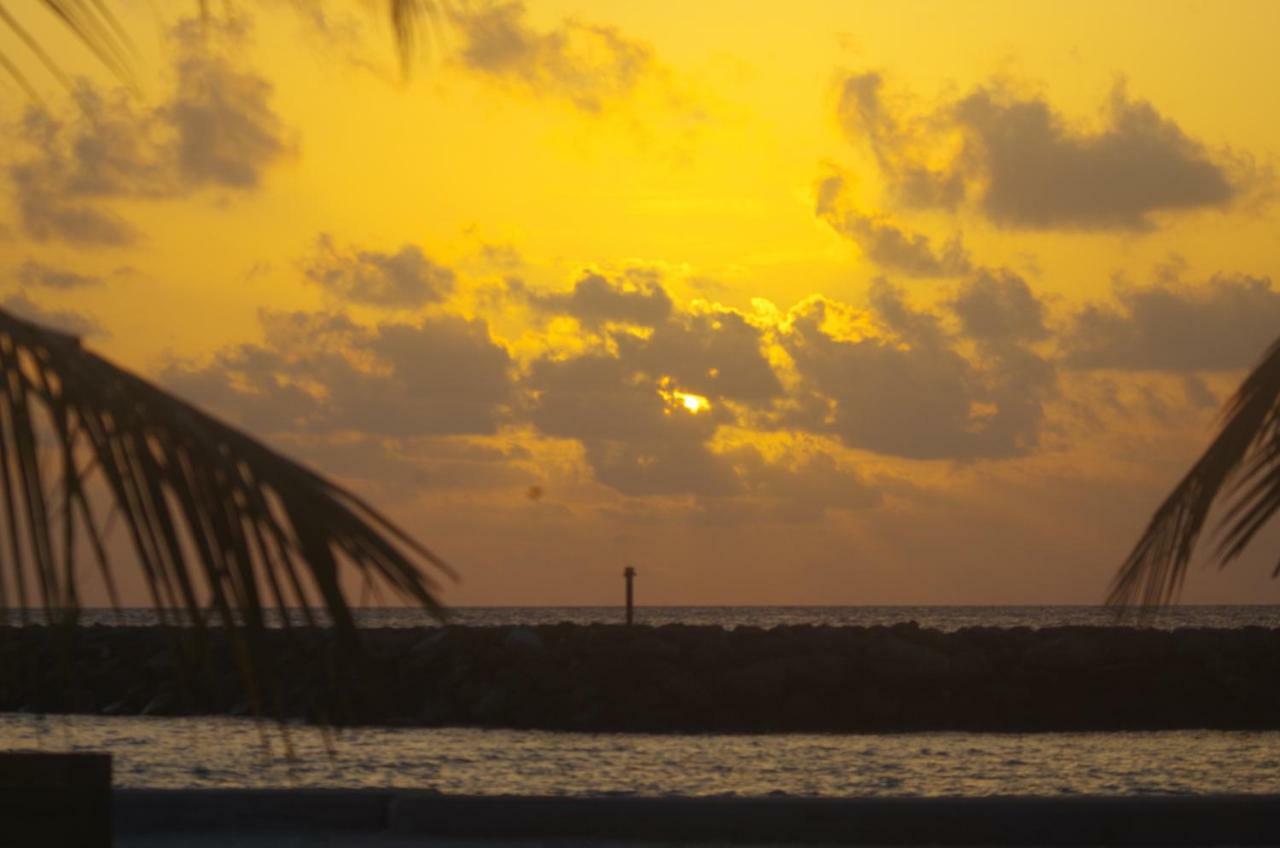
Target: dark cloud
point(227, 131)
point(34, 273)
point(863, 113)
point(715, 354)
point(895, 142)
point(999, 307)
point(1222, 325)
point(45, 216)
point(595, 301)
point(635, 440)
point(55, 190)
point(398, 468)
point(793, 491)
point(625, 403)
point(590, 65)
point(912, 392)
point(1039, 173)
point(66, 320)
point(892, 248)
point(322, 373)
point(645, 407)
point(406, 278)
point(217, 129)
point(1027, 166)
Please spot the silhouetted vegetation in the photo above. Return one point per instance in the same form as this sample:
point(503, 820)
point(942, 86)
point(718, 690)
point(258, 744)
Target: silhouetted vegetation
point(95, 25)
point(1242, 465)
point(222, 527)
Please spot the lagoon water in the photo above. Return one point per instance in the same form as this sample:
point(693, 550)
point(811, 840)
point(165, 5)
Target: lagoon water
point(227, 752)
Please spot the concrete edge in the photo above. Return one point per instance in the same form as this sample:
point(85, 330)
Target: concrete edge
point(1136, 821)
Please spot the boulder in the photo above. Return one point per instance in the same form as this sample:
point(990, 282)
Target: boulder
point(524, 640)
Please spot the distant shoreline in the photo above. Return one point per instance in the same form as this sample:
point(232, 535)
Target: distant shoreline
point(681, 678)
point(941, 617)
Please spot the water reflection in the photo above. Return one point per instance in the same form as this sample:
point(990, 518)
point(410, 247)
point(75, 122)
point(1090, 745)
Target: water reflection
point(939, 617)
point(222, 752)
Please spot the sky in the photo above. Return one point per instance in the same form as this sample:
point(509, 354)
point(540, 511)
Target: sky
point(823, 303)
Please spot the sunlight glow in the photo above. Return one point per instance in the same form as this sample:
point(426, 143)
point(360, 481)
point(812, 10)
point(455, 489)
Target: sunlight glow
point(693, 403)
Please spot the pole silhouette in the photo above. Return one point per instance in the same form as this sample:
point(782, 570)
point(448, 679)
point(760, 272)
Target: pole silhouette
point(630, 574)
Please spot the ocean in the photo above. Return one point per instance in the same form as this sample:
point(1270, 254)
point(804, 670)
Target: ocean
point(235, 752)
point(940, 617)
point(177, 753)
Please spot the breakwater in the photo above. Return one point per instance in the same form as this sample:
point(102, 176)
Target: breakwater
point(675, 677)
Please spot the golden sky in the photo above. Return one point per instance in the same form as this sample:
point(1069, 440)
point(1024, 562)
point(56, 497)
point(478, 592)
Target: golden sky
point(814, 303)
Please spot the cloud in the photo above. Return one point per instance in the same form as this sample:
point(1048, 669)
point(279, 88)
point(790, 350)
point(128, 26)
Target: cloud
point(56, 188)
point(635, 439)
point(998, 307)
point(323, 373)
point(399, 468)
point(404, 279)
point(1221, 325)
point(46, 216)
point(898, 144)
point(589, 65)
point(908, 390)
point(1040, 174)
point(1026, 166)
point(715, 354)
point(217, 129)
point(791, 490)
point(891, 247)
point(595, 301)
point(34, 273)
point(66, 320)
point(645, 407)
point(227, 131)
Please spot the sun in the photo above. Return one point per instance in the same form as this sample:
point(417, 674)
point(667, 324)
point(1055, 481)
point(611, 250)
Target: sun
point(693, 403)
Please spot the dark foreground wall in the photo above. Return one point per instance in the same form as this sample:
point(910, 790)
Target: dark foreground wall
point(681, 678)
point(1189, 821)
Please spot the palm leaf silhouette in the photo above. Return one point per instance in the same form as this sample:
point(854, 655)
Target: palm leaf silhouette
point(223, 528)
point(94, 24)
point(1244, 463)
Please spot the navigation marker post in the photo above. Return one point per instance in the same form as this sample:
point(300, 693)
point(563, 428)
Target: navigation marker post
point(630, 574)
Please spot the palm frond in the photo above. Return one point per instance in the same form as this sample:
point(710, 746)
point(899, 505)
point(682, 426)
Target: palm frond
point(96, 26)
point(1243, 461)
point(223, 528)
point(406, 19)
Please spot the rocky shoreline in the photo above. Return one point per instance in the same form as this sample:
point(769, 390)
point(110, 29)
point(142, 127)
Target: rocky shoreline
point(676, 678)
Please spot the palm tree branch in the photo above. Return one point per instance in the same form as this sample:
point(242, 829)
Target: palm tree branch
point(98, 29)
point(1156, 568)
point(218, 521)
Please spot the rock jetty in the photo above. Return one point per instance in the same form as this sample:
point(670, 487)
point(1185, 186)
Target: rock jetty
point(674, 678)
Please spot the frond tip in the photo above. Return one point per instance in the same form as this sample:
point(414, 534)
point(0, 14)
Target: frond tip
point(223, 528)
point(1244, 459)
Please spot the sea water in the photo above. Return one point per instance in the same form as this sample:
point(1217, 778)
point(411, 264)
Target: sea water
point(939, 617)
point(226, 752)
